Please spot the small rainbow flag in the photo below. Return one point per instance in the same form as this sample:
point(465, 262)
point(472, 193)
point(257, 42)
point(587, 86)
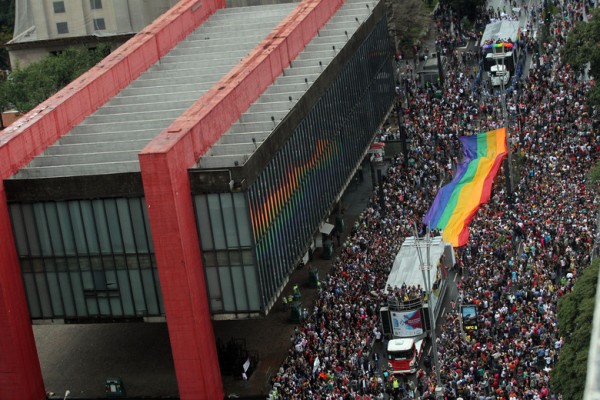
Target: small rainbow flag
point(456, 203)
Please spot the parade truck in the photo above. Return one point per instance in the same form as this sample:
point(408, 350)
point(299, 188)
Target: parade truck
point(416, 284)
point(501, 45)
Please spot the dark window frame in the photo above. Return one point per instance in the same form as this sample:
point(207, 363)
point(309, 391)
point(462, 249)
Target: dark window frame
point(96, 4)
point(62, 28)
point(59, 7)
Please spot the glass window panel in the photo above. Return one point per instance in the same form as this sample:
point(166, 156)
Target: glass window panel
point(227, 290)
point(253, 289)
point(28, 219)
point(243, 219)
point(114, 226)
point(210, 259)
point(78, 294)
point(44, 295)
point(32, 296)
point(137, 288)
point(99, 24)
point(235, 257)
point(203, 222)
point(67, 295)
point(59, 7)
point(92, 306)
point(125, 291)
point(54, 229)
point(87, 280)
point(229, 220)
point(126, 225)
point(66, 228)
point(223, 259)
point(115, 305)
point(102, 229)
point(55, 294)
point(18, 229)
point(150, 295)
point(216, 221)
point(62, 28)
point(78, 228)
point(41, 229)
point(137, 220)
point(214, 290)
point(239, 288)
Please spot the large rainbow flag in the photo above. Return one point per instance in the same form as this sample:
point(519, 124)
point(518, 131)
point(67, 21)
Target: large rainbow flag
point(456, 203)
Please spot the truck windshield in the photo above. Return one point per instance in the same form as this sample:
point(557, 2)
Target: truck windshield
point(401, 355)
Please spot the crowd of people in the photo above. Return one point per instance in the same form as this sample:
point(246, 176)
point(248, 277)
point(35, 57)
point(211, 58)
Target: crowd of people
point(525, 249)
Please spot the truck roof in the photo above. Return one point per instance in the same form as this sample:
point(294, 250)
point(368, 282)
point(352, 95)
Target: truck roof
point(406, 268)
point(400, 344)
point(501, 30)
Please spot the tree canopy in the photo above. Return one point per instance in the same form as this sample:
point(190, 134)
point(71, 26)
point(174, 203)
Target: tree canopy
point(7, 22)
point(575, 316)
point(27, 87)
point(467, 8)
point(408, 19)
point(582, 47)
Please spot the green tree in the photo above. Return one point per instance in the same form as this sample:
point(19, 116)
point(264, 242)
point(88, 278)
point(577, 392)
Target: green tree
point(7, 22)
point(467, 8)
point(593, 178)
point(582, 47)
point(29, 86)
point(408, 20)
point(575, 315)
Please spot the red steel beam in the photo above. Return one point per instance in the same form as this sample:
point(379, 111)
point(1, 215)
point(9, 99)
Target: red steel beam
point(164, 164)
point(20, 373)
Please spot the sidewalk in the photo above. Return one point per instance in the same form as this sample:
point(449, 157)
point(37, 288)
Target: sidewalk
point(269, 336)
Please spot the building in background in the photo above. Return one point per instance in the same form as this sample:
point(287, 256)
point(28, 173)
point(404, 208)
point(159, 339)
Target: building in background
point(43, 27)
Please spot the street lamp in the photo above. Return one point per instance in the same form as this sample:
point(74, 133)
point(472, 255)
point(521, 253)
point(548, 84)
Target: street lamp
point(425, 267)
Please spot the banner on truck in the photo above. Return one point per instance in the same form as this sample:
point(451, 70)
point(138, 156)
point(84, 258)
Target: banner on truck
point(407, 323)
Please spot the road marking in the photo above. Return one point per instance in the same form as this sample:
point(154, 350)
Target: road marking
point(454, 280)
point(443, 311)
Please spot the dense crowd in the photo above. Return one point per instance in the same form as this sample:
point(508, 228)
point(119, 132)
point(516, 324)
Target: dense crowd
point(525, 251)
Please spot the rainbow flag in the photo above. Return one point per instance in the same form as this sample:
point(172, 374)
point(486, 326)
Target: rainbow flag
point(456, 203)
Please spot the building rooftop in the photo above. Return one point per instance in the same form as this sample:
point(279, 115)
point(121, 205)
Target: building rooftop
point(245, 136)
point(109, 140)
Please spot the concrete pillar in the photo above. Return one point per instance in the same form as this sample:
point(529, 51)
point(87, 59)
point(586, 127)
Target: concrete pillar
point(20, 372)
point(181, 274)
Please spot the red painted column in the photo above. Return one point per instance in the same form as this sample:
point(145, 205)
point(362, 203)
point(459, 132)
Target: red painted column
point(181, 273)
point(20, 373)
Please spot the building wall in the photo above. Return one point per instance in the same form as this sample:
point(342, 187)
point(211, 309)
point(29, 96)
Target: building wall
point(20, 373)
point(120, 16)
point(114, 17)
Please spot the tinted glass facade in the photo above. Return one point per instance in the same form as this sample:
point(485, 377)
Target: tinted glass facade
point(259, 239)
point(227, 251)
point(87, 259)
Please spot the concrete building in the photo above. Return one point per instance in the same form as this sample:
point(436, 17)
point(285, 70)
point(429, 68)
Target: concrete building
point(48, 26)
point(186, 175)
